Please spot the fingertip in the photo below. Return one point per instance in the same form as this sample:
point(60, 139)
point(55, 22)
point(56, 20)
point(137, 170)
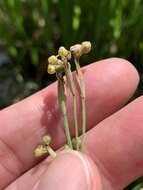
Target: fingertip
point(125, 65)
point(71, 170)
point(120, 66)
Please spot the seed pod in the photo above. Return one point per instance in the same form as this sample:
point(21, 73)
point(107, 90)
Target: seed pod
point(60, 66)
point(86, 47)
point(76, 50)
point(53, 60)
point(63, 52)
point(60, 62)
point(75, 142)
point(51, 69)
point(40, 150)
point(46, 139)
point(66, 147)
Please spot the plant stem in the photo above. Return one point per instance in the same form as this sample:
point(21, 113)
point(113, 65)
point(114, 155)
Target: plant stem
point(72, 89)
point(51, 152)
point(82, 94)
point(62, 102)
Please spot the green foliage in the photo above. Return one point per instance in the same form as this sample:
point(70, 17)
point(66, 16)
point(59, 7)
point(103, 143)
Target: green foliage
point(30, 31)
point(137, 185)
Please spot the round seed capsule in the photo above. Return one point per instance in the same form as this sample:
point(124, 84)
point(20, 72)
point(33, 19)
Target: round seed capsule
point(53, 60)
point(40, 151)
point(63, 52)
point(51, 69)
point(76, 50)
point(66, 147)
point(46, 139)
point(76, 142)
point(86, 47)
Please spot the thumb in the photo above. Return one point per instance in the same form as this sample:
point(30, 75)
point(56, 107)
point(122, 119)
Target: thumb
point(71, 170)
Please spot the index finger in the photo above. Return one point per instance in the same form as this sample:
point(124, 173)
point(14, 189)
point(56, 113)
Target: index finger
point(109, 85)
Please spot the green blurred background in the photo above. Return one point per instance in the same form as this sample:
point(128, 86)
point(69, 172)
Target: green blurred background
point(31, 30)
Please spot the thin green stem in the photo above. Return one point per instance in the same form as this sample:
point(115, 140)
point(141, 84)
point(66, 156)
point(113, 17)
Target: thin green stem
point(82, 94)
point(72, 89)
point(62, 102)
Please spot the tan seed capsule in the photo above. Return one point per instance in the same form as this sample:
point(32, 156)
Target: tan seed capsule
point(86, 47)
point(63, 52)
point(76, 50)
point(60, 62)
point(59, 68)
point(51, 69)
point(53, 60)
point(46, 139)
point(75, 142)
point(40, 151)
point(66, 147)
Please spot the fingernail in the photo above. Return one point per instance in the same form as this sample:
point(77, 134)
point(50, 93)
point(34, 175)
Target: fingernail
point(69, 171)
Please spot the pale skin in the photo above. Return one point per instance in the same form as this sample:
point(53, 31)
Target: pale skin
point(113, 152)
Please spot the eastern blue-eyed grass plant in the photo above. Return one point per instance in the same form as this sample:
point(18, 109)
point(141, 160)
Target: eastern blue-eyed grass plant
point(60, 65)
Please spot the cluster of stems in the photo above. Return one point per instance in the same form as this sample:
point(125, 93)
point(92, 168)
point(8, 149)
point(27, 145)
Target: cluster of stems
point(60, 65)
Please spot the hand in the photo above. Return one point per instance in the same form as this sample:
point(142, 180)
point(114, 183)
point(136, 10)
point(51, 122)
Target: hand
point(113, 145)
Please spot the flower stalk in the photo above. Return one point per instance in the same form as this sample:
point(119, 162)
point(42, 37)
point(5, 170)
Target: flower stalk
point(78, 50)
point(82, 94)
point(72, 89)
point(62, 103)
point(65, 57)
point(60, 65)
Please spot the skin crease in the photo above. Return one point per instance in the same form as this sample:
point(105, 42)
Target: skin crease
point(112, 160)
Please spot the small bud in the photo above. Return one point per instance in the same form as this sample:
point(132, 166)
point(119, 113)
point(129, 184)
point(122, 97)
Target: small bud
point(63, 52)
point(66, 147)
point(46, 139)
point(53, 60)
point(76, 142)
point(86, 47)
point(58, 67)
point(40, 151)
point(76, 50)
point(51, 69)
